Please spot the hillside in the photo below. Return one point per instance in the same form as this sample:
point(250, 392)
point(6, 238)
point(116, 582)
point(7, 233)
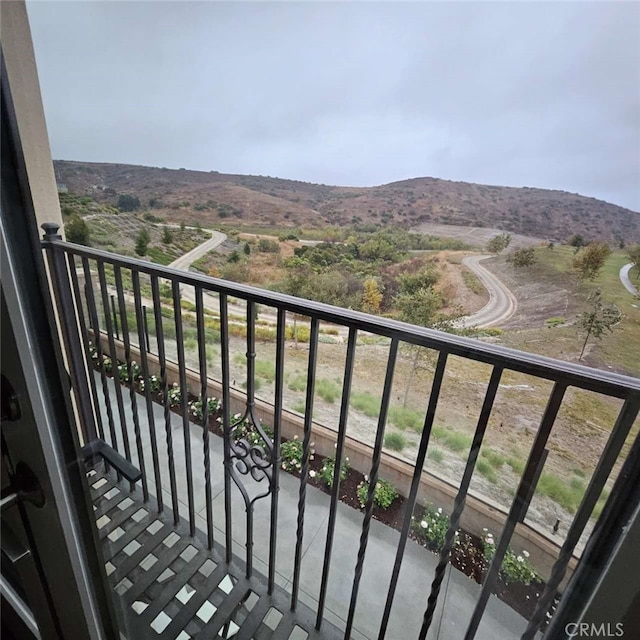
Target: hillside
point(211, 197)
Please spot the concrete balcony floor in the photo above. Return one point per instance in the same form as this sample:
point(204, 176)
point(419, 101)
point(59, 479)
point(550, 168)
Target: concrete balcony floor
point(458, 594)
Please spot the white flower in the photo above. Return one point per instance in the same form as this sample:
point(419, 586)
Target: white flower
point(295, 437)
point(520, 559)
point(312, 474)
point(424, 524)
point(526, 554)
point(439, 509)
point(366, 478)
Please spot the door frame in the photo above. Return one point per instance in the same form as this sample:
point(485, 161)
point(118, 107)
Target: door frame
point(75, 598)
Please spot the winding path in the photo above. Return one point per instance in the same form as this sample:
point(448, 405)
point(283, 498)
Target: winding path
point(502, 303)
point(626, 281)
point(185, 261)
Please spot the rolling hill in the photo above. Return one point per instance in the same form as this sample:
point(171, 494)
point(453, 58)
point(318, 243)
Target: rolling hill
point(212, 197)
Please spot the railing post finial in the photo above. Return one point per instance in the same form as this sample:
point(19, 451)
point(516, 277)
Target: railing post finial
point(51, 231)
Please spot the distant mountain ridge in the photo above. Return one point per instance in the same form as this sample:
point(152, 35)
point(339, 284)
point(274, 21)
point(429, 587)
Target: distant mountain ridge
point(210, 197)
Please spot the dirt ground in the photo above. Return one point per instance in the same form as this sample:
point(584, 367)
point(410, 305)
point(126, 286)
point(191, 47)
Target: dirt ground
point(475, 236)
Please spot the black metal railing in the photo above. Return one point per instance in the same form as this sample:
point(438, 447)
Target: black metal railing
point(89, 314)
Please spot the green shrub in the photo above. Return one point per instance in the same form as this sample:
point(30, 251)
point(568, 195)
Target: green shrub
point(516, 568)
point(436, 455)
point(327, 470)
point(154, 384)
point(213, 405)
point(431, 527)
point(291, 455)
point(395, 441)
point(494, 458)
point(456, 441)
point(383, 496)
point(174, 395)
point(517, 464)
point(265, 369)
point(327, 390)
point(297, 383)
point(404, 418)
point(486, 470)
point(366, 403)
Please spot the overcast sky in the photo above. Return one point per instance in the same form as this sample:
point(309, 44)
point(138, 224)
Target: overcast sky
point(541, 94)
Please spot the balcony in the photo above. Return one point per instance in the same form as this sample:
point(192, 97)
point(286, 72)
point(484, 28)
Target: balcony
point(203, 532)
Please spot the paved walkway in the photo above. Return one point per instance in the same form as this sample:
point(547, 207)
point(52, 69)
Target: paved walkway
point(458, 594)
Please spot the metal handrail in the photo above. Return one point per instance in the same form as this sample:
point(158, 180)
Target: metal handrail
point(581, 376)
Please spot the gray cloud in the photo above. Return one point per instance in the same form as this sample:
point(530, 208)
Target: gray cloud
point(535, 94)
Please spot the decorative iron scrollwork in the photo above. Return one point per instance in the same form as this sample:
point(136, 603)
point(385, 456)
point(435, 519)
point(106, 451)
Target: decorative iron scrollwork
point(250, 455)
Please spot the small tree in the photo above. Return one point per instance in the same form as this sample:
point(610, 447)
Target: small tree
point(598, 319)
point(371, 296)
point(142, 242)
point(499, 243)
point(588, 264)
point(524, 257)
point(576, 241)
point(77, 230)
point(128, 202)
point(247, 249)
point(167, 236)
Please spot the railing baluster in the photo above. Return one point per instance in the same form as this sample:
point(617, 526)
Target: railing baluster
point(607, 460)
point(304, 472)
point(186, 425)
point(342, 429)
point(551, 411)
point(434, 396)
point(226, 423)
point(144, 363)
point(202, 357)
point(275, 453)
point(97, 338)
point(145, 322)
point(85, 341)
point(373, 480)
point(124, 323)
point(157, 310)
point(114, 361)
point(250, 403)
point(459, 502)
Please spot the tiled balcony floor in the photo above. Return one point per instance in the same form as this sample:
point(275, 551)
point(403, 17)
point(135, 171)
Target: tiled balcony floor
point(169, 585)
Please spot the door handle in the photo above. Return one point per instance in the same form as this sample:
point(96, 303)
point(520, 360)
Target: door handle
point(24, 487)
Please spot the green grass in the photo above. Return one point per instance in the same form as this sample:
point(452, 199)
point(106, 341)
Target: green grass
point(190, 344)
point(493, 458)
point(159, 256)
point(486, 470)
point(436, 455)
point(404, 418)
point(365, 403)
point(456, 441)
point(516, 464)
point(327, 390)
point(395, 441)
point(297, 383)
point(266, 370)
point(472, 282)
point(566, 494)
